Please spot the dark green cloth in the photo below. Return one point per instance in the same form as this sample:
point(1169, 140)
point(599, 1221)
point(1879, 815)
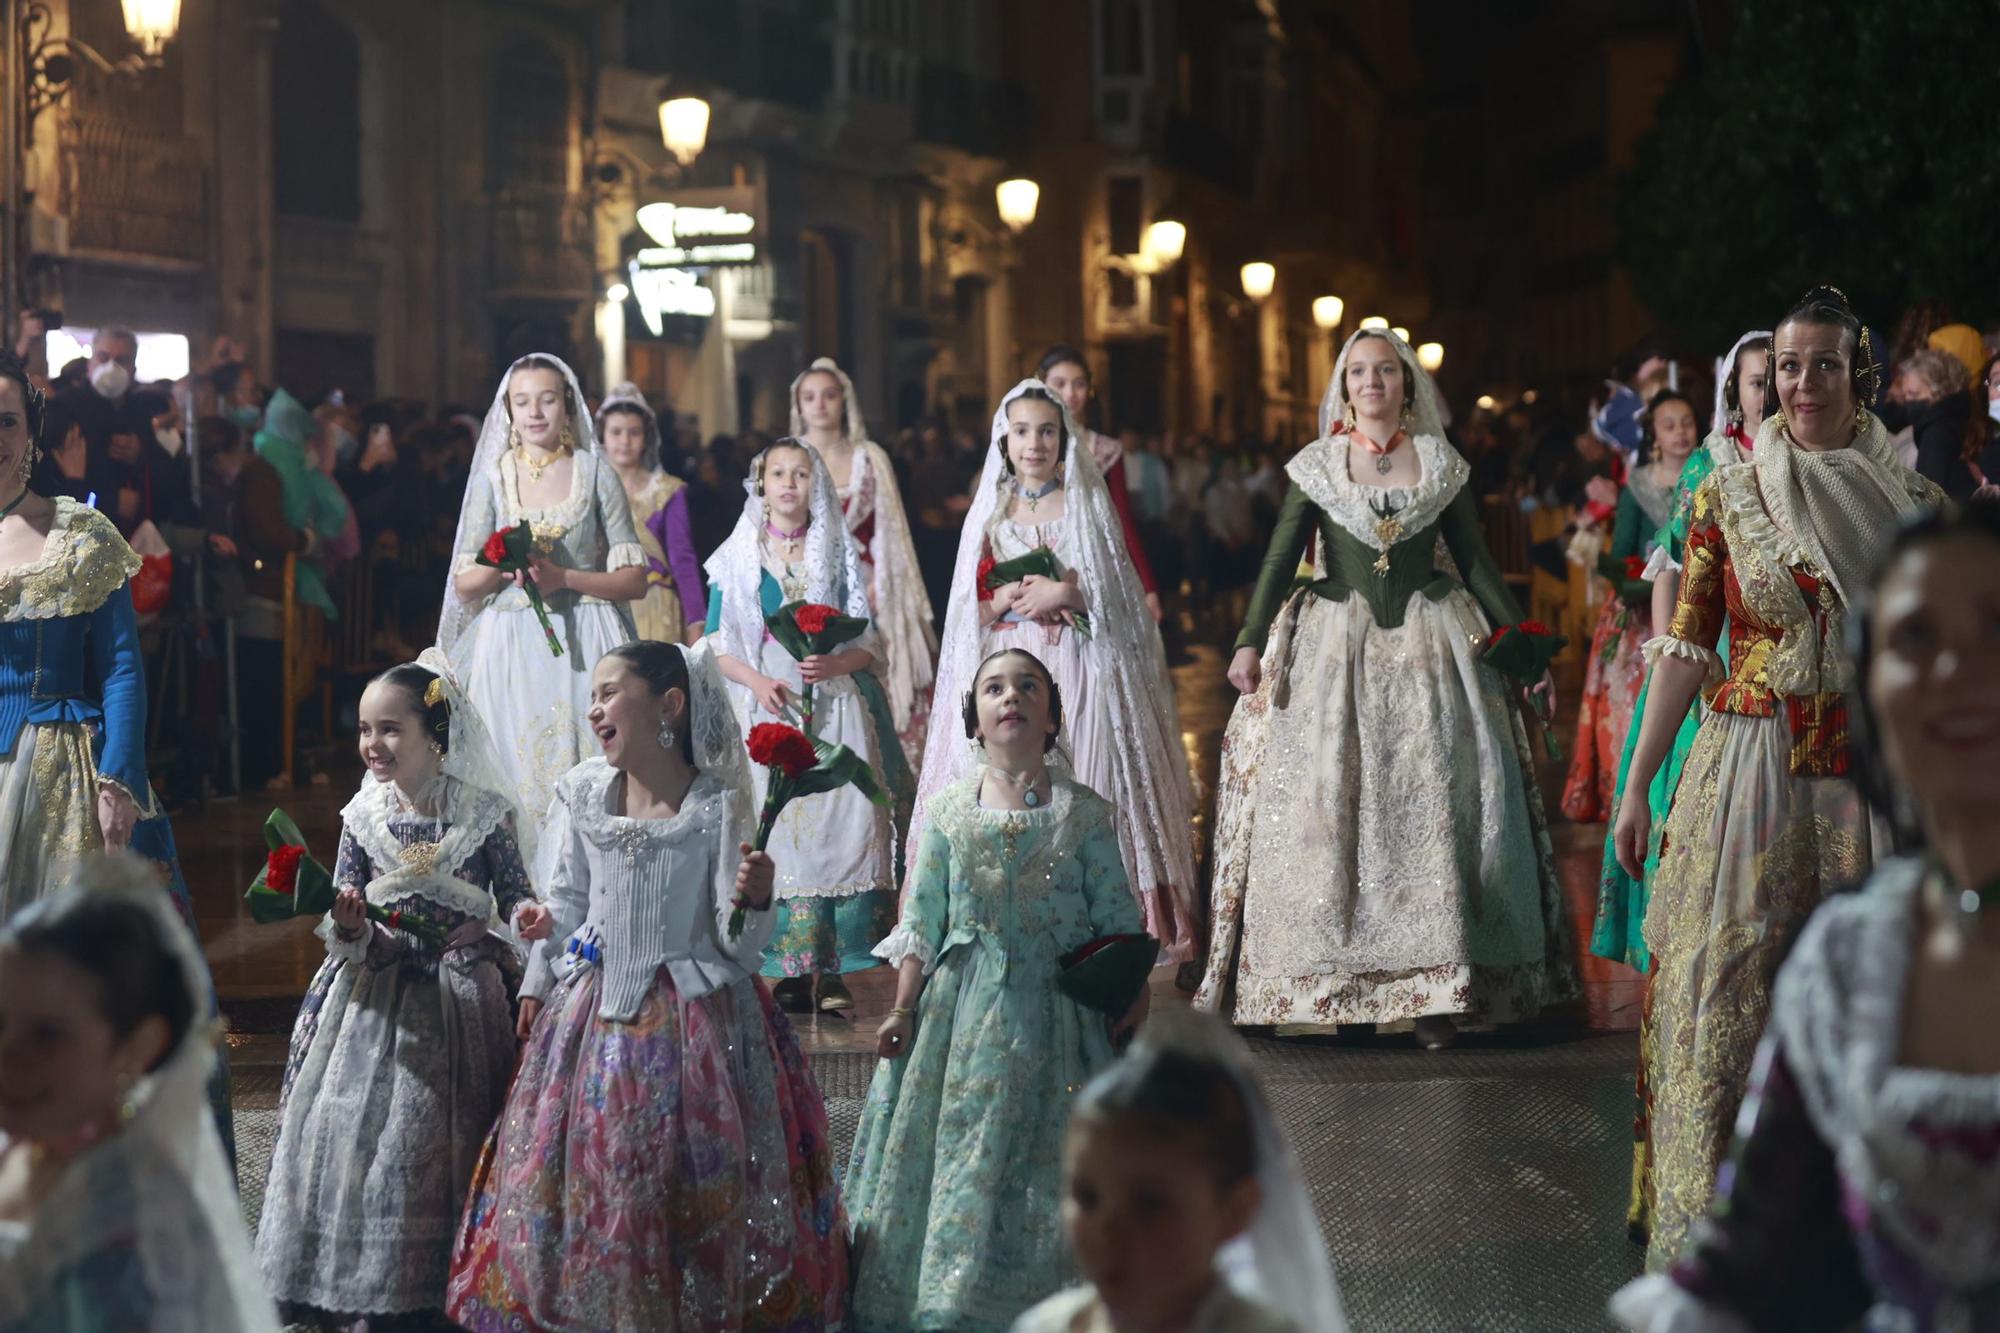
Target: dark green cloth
point(1350, 565)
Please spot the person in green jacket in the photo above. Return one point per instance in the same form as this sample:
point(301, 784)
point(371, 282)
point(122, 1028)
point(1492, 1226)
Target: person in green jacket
point(314, 503)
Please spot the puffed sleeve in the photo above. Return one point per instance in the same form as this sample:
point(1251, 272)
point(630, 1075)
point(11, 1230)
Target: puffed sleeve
point(568, 894)
point(114, 650)
point(1107, 890)
point(1701, 607)
point(481, 519)
point(1465, 538)
point(1281, 565)
point(920, 932)
point(621, 537)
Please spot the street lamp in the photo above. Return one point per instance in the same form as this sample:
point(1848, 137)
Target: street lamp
point(1401, 332)
point(1258, 279)
point(683, 127)
point(1327, 311)
point(1487, 402)
point(152, 24)
point(1430, 356)
point(1016, 199)
point(1164, 242)
point(1374, 322)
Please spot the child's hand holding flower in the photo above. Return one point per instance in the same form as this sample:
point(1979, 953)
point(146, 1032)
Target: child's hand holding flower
point(350, 912)
point(755, 878)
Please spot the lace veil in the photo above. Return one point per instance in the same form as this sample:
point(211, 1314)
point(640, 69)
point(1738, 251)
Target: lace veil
point(1427, 411)
point(626, 397)
point(494, 440)
point(833, 574)
point(1127, 660)
point(1718, 422)
point(187, 1219)
point(851, 424)
point(719, 752)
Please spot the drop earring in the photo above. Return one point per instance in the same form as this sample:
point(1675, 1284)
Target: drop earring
point(667, 735)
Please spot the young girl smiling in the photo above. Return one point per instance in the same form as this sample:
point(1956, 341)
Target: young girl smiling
point(957, 1160)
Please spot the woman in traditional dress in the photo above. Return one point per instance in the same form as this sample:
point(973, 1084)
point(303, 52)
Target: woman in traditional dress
point(1616, 669)
point(675, 599)
point(827, 415)
point(403, 1046)
point(835, 851)
point(538, 463)
point(1740, 382)
point(1381, 851)
point(1863, 1183)
point(957, 1167)
point(1767, 819)
point(1042, 491)
point(663, 1161)
point(1066, 373)
point(117, 1206)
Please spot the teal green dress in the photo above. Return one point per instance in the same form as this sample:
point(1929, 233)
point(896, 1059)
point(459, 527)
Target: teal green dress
point(1621, 900)
point(956, 1180)
point(833, 933)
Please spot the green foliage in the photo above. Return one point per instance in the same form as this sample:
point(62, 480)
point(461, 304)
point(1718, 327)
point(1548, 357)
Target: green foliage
point(1849, 143)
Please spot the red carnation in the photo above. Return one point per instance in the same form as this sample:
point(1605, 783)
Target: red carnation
point(775, 745)
point(812, 617)
point(281, 871)
point(1533, 627)
point(1635, 567)
point(1499, 634)
point(496, 547)
point(984, 579)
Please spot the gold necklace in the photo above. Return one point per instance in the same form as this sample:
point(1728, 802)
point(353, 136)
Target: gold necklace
point(535, 470)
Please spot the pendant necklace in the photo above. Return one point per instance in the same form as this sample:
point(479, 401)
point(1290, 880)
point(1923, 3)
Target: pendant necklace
point(790, 582)
point(535, 469)
point(14, 503)
point(1035, 497)
point(1026, 786)
point(1383, 464)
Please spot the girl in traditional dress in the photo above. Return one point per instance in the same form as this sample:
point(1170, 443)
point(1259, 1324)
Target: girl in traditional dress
point(827, 415)
point(403, 1046)
point(1863, 1183)
point(1740, 381)
point(538, 463)
point(663, 1161)
point(1616, 669)
point(117, 1207)
point(1042, 491)
point(957, 1167)
point(835, 852)
point(675, 599)
point(1381, 851)
point(1067, 374)
point(1183, 1203)
point(1766, 820)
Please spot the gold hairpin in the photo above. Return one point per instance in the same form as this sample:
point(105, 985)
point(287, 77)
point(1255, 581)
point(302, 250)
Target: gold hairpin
point(434, 692)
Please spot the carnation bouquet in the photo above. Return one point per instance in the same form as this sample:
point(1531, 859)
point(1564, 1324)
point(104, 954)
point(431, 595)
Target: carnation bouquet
point(509, 550)
point(997, 574)
point(811, 629)
point(293, 884)
point(1628, 576)
point(1524, 652)
point(800, 765)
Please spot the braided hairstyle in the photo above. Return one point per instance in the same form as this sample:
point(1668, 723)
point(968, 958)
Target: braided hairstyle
point(969, 706)
point(1827, 306)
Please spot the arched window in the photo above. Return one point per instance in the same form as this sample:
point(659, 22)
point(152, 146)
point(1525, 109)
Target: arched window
point(316, 115)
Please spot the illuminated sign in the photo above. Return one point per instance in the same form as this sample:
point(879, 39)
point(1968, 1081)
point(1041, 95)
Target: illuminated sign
point(711, 228)
point(662, 289)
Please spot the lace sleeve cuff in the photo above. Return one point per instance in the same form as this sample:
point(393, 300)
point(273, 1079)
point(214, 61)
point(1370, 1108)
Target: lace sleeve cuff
point(354, 950)
point(1666, 645)
point(1657, 1304)
point(1661, 562)
point(623, 556)
point(902, 943)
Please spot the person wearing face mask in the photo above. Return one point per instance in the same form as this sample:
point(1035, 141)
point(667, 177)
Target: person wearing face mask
point(1932, 403)
point(124, 465)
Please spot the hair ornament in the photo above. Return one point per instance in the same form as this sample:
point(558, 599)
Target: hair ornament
point(434, 692)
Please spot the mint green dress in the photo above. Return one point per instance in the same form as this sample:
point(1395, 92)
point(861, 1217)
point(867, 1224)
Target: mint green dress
point(1621, 900)
point(955, 1185)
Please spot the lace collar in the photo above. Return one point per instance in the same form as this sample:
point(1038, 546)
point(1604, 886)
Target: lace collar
point(1321, 471)
point(1908, 1141)
point(594, 797)
point(468, 818)
point(82, 563)
point(582, 487)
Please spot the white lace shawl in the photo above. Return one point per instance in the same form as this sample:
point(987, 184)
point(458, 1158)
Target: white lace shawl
point(1128, 663)
point(1321, 471)
point(187, 1223)
point(833, 574)
point(1837, 1010)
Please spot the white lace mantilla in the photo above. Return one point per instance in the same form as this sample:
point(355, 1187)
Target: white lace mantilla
point(1321, 471)
point(1837, 1009)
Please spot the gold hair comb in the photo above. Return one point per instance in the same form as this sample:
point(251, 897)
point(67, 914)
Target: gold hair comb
point(434, 693)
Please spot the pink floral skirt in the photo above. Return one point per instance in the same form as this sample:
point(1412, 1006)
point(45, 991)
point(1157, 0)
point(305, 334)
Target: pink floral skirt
point(673, 1172)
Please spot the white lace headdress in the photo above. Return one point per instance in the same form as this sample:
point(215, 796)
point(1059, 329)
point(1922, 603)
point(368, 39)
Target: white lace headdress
point(495, 438)
point(187, 1219)
point(626, 397)
point(1427, 414)
point(1127, 659)
point(833, 574)
point(851, 424)
point(1724, 368)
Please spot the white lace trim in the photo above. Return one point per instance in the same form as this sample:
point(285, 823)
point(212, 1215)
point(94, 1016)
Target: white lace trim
point(1666, 645)
point(589, 805)
point(1660, 562)
point(1321, 471)
point(902, 608)
point(568, 510)
point(623, 556)
point(901, 943)
point(470, 817)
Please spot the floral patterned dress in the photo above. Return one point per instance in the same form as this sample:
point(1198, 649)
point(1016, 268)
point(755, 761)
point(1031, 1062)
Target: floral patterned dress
point(399, 1062)
point(956, 1178)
